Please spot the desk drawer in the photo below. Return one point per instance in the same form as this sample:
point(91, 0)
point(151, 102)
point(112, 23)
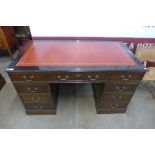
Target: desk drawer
point(126, 76)
point(27, 77)
point(27, 98)
point(116, 97)
point(111, 105)
point(77, 76)
point(32, 88)
point(119, 87)
point(39, 107)
point(41, 112)
point(110, 111)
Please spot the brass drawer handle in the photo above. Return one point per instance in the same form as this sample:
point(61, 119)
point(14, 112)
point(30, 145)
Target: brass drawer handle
point(114, 105)
point(117, 98)
point(89, 76)
point(66, 77)
point(59, 76)
point(28, 78)
point(32, 90)
point(35, 99)
point(38, 107)
point(96, 76)
point(63, 79)
point(78, 75)
point(125, 78)
point(93, 79)
point(120, 89)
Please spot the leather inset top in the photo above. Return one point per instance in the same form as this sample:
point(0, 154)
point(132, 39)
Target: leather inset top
point(76, 53)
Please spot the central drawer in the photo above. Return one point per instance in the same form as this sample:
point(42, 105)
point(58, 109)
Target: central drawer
point(77, 76)
point(28, 98)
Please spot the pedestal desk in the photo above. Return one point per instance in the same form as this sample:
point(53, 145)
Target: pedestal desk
point(112, 69)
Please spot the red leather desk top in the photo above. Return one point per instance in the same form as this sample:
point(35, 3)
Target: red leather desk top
point(72, 53)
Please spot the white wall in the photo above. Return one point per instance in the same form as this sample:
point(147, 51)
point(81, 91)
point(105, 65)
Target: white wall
point(80, 17)
point(94, 18)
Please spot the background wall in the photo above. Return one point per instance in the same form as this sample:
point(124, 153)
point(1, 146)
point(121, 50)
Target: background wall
point(80, 17)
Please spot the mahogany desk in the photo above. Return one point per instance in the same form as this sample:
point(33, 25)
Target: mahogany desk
point(111, 68)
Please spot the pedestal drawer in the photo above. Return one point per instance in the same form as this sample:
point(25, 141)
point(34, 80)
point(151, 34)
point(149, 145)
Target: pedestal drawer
point(27, 77)
point(126, 76)
point(119, 87)
point(116, 97)
point(41, 112)
point(39, 107)
point(32, 88)
point(110, 111)
point(111, 105)
point(27, 98)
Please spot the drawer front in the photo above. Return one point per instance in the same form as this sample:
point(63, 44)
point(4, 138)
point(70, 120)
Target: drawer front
point(39, 107)
point(41, 112)
point(77, 76)
point(32, 88)
point(116, 97)
point(27, 98)
point(112, 105)
point(126, 76)
point(27, 77)
point(110, 111)
point(119, 87)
